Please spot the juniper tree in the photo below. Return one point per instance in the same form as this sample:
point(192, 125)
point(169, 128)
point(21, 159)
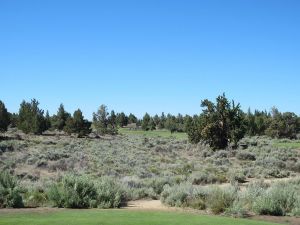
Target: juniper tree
point(4, 117)
point(77, 124)
point(60, 119)
point(146, 122)
point(31, 118)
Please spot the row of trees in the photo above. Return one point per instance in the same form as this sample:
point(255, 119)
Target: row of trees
point(223, 123)
point(32, 119)
point(220, 123)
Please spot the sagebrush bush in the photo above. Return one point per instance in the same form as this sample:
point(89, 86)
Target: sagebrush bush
point(110, 194)
point(279, 200)
point(35, 198)
point(73, 192)
point(236, 175)
point(243, 155)
point(218, 199)
point(82, 192)
point(10, 193)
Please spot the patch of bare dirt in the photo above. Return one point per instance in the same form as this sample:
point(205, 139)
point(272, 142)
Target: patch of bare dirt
point(278, 219)
point(147, 204)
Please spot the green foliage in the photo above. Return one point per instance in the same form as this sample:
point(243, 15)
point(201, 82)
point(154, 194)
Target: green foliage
point(283, 125)
point(82, 192)
point(146, 122)
point(220, 124)
point(4, 117)
point(73, 192)
point(132, 118)
point(109, 194)
point(10, 195)
point(279, 200)
point(218, 200)
point(35, 198)
point(60, 119)
point(77, 124)
point(122, 119)
point(102, 123)
point(31, 118)
point(257, 123)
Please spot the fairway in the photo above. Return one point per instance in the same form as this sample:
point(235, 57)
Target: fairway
point(117, 217)
point(292, 144)
point(154, 133)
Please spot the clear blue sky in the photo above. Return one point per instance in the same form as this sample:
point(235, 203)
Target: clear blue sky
point(154, 55)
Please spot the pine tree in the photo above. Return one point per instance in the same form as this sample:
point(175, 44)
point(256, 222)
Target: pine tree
point(100, 120)
point(31, 118)
point(146, 122)
point(77, 124)
point(4, 117)
point(59, 121)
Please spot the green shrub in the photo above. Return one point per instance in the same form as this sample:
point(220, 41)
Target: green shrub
point(73, 192)
point(10, 194)
point(243, 155)
point(109, 194)
point(236, 175)
point(184, 195)
point(196, 203)
point(278, 200)
point(218, 200)
point(35, 198)
point(82, 192)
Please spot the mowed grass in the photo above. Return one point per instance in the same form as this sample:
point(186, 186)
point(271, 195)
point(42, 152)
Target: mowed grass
point(118, 217)
point(292, 144)
point(154, 133)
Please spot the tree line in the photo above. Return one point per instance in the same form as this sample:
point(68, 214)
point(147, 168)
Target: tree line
point(220, 124)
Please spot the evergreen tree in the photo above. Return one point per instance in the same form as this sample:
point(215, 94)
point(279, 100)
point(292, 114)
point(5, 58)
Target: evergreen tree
point(77, 124)
point(112, 119)
point(31, 118)
point(219, 124)
point(122, 119)
point(47, 123)
point(162, 121)
point(132, 118)
point(59, 121)
point(146, 122)
point(4, 117)
point(103, 123)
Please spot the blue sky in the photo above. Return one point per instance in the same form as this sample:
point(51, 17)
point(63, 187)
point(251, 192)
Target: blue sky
point(154, 56)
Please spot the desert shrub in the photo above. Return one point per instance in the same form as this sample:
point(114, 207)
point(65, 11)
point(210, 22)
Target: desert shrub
point(243, 155)
point(81, 192)
point(10, 193)
point(237, 209)
point(278, 200)
point(195, 203)
point(177, 195)
point(296, 167)
point(218, 199)
point(158, 183)
point(236, 175)
point(73, 192)
point(206, 177)
point(221, 154)
point(35, 198)
point(185, 195)
point(109, 194)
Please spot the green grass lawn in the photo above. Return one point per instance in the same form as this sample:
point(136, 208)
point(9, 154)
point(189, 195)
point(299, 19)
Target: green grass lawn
point(118, 217)
point(154, 133)
point(292, 144)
